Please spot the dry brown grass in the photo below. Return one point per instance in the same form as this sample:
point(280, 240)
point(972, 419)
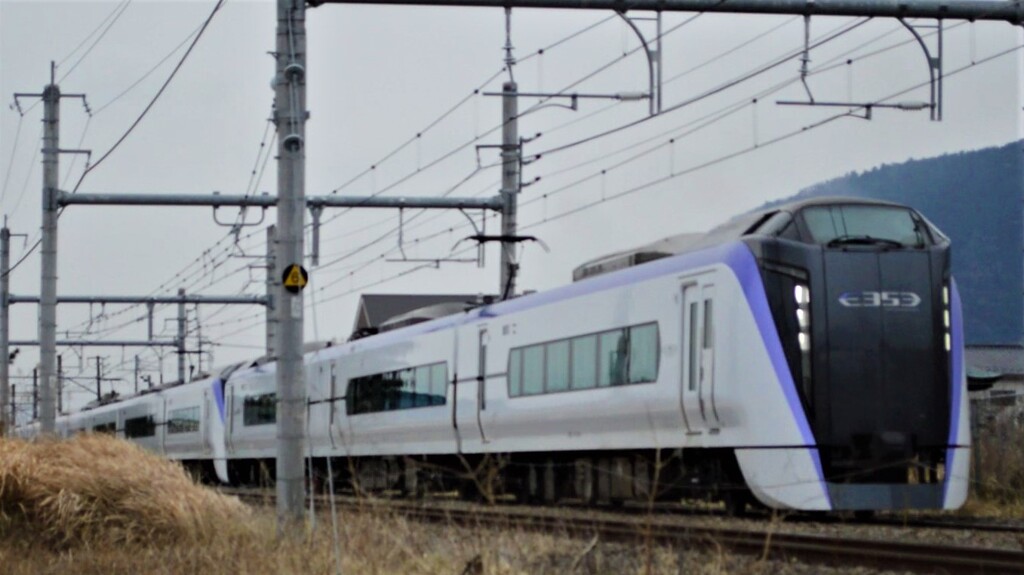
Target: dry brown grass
point(1000, 488)
point(95, 505)
point(96, 490)
point(380, 543)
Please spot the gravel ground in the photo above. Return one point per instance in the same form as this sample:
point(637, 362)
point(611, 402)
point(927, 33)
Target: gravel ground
point(805, 524)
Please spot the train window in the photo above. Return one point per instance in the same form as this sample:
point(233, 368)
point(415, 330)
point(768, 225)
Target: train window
point(533, 370)
point(184, 420)
point(403, 389)
point(694, 331)
point(438, 383)
point(515, 373)
point(140, 426)
point(557, 366)
point(643, 353)
point(613, 355)
point(407, 392)
point(584, 362)
point(110, 427)
point(617, 357)
point(259, 409)
point(790, 232)
point(423, 384)
point(390, 386)
point(709, 325)
point(831, 225)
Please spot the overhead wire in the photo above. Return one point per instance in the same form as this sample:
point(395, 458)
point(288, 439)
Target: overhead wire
point(828, 65)
point(123, 8)
point(445, 115)
point(10, 161)
point(720, 159)
point(147, 74)
point(93, 33)
point(410, 271)
point(706, 94)
point(766, 143)
point(21, 195)
point(465, 145)
point(134, 124)
point(727, 112)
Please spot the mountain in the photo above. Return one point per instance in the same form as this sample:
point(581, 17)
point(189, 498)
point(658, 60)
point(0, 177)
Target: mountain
point(977, 199)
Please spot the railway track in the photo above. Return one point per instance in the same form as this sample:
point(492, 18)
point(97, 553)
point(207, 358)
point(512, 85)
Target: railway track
point(631, 528)
point(911, 521)
point(945, 523)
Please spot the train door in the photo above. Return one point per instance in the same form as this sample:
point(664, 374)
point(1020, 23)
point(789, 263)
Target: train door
point(707, 357)
point(338, 404)
point(229, 414)
point(469, 392)
point(481, 379)
point(206, 416)
point(160, 415)
point(698, 357)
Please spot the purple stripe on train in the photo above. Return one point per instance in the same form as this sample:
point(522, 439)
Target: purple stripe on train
point(956, 371)
point(218, 396)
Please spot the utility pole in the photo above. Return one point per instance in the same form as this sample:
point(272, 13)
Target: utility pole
point(199, 343)
point(180, 340)
point(48, 253)
point(5, 352)
point(272, 287)
point(14, 407)
point(99, 377)
point(509, 188)
point(60, 384)
point(290, 120)
point(35, 393)
point(136, 374)
point(511, 164)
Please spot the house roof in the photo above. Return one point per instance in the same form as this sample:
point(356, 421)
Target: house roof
point(1005, 359)
point(375, 309)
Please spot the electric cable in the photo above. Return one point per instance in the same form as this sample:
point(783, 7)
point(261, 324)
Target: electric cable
point(703, 165)
point(123, 8)
point(148, 73)
point(134, 124)
point(10, 162)
point(93, 33)
point(708, 93)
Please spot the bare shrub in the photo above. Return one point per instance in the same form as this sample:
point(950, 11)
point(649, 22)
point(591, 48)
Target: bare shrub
point(1001, 448)
point(96, 489)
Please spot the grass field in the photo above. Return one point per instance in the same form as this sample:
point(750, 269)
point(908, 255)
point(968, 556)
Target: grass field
point(98, 505)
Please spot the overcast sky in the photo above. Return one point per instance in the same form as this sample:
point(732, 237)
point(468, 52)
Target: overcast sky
point(377, 76)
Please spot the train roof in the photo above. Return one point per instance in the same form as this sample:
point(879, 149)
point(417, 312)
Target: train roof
point(735, 228)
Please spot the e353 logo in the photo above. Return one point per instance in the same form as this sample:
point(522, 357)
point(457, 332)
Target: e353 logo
point(898, 299)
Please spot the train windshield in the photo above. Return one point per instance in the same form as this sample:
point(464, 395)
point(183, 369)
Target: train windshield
point(865, 225)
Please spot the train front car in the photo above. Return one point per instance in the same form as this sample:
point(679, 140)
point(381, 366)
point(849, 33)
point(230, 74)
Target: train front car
point(869, 320)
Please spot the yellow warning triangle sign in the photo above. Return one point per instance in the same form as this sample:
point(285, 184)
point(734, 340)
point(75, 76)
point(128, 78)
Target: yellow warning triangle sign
point(295, 278)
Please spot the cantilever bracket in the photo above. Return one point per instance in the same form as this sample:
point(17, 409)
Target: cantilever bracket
point(934, 104)
point(237, 225)
point(654, 81)
point(436, 262)
point(934, 66)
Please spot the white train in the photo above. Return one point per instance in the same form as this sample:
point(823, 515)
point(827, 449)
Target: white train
point(807, 357)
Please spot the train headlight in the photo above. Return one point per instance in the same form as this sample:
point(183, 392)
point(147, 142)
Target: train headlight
point(945, 317)
point(802, 295)
point(805, 342)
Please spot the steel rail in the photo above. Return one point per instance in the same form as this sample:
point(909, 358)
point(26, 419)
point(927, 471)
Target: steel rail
point(833, 550)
